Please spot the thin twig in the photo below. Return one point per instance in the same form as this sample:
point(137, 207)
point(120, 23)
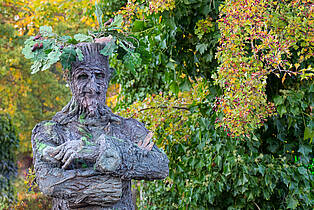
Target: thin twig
point(257, 205)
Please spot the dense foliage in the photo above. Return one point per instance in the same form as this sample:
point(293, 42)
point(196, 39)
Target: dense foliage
point(267, 168)
point(177, 41)
point(209, 169)
point(8, 169)
point(259, 38)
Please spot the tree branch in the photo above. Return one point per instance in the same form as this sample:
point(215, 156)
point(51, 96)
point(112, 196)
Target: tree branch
point(162, 107)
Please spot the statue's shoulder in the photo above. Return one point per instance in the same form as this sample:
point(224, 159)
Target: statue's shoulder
point(134, 123)
point(127, 122)
point(136, 129)
point(48, 131)
point(44, 126)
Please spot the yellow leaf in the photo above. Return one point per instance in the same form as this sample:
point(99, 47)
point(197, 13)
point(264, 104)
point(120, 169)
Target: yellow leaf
point(283, 78)
point(296, 66)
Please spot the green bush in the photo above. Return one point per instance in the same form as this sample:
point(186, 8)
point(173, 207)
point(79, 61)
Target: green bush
point(8, 170)
point(213, 171)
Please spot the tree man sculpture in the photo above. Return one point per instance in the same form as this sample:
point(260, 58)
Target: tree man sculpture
point(86, 156)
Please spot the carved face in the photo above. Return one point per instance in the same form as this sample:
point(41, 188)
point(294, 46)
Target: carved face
point(89, 87)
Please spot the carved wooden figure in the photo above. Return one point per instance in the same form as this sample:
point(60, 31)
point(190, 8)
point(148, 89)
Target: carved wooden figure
point(86, 156)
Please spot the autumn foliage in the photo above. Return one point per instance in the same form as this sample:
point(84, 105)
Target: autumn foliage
point(257, 38)
point(226, 86)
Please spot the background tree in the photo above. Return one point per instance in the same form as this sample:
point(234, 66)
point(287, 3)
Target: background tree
point(248, 142)
point(8, 170)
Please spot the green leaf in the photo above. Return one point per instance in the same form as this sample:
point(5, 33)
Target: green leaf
point(83, 38)
point(266, 194)
point(48, 51)
point(188, 2)
point(79, 54)
point(186, 85)
point(121, 44)
point(278, 100)
point(267, 179)
point(46, 31)
point(282, 110)
point(117, 21)
point(295, 110)
point(98, 14)
point(209, 57)
point(308, 133)
point(67, 57)
point(138, 25)
point(311, 89)
point(201, 48)
point(302, 171)
point(171, 65)
point(163, 44)
point(305, 150)
point(36, 67)
point(292, 203)
point(219, 162)
point(72, 41)
point(245, 180)
point(158, 38)
point(109, 48)
point(54, 56)
point(27, 50)
point(65, 38)
point(174, 87)
point(132, 61)
point(45, 66)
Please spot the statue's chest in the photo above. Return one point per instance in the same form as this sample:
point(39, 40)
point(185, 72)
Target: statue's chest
point(88, 133)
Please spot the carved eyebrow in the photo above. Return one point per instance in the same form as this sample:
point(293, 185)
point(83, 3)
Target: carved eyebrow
point(80, 70)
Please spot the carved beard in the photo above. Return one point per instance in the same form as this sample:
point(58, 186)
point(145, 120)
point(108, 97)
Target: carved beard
point(89, 105)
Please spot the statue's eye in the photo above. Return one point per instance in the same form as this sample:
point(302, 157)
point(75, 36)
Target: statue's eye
point(82, 77)
point(99, 75)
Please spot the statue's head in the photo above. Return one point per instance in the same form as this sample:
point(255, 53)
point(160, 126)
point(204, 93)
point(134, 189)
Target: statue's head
point(90, 77)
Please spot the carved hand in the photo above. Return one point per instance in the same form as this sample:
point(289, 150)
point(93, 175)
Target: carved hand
point(66, 152)
point(146, 144)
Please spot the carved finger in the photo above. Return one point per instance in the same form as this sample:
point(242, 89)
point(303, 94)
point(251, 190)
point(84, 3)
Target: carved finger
point(140, 143)
point(47, 156)
point(67, 163)
point(55, 151)
point(67, 155)
point(60, 154)
point(147, 139)
point(150, 146)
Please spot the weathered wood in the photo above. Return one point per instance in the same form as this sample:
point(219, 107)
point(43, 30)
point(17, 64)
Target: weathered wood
point(86, 156)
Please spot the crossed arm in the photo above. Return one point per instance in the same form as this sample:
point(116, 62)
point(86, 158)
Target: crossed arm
point(116, 159)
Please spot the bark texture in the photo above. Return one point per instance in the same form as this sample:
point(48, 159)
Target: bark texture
point(86, 156)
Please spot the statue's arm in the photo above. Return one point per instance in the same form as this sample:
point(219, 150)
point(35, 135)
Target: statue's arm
point(78, 186)
point(126, 159)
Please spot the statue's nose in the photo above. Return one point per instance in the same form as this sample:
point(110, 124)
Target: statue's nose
point(92, 86)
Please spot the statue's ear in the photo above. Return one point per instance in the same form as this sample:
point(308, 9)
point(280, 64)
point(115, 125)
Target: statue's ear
point(112, 72)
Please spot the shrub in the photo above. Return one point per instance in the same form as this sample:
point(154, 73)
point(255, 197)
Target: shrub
point(8, 169)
